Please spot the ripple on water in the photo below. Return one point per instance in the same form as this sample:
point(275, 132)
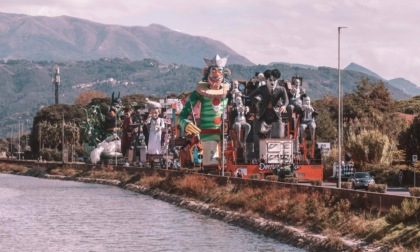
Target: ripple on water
point(52, 215)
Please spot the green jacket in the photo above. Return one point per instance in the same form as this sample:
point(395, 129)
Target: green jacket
point(208, 117)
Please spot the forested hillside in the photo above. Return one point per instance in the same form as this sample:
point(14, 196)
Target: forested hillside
point(27, 85)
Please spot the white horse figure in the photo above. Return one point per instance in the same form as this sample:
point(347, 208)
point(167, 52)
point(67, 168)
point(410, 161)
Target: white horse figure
point(110, 148)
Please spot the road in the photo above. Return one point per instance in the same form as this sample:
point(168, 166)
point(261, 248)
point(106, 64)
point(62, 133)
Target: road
point(400, 191)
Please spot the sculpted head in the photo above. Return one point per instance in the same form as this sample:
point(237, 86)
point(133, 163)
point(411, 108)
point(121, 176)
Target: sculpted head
point(215, 72)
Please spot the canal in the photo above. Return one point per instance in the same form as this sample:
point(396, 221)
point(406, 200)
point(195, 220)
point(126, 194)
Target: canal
point(53, 215)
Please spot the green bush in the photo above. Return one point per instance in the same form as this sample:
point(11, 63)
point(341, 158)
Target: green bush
point(409, 211)
point(316, 182)
point(50, 154)
point(384, 174)
point(346, 185)
point(272, 178)
point(414, 191)
point(255, 176)
point(380, 188)
point(291, 180)
point(227, 174)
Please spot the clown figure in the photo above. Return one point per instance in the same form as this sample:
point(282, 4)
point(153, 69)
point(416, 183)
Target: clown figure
point(211, 92)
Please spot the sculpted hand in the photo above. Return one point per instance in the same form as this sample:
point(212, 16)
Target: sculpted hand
point(283, 109)
point(192, 129)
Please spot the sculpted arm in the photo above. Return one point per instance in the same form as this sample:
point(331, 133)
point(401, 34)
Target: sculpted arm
point(186, 125)
point(283, 101)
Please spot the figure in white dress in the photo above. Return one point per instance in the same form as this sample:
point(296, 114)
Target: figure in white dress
point(156, 126)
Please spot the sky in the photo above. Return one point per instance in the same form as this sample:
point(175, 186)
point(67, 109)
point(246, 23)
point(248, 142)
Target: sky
point(381, 35)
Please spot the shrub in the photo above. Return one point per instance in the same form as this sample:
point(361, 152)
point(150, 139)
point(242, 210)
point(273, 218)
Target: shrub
point(255, 176)
point(272, 177)
point(316, 182)
point(291, 180)
point(384, 174)
point(346, 185)
point(409, 211)
point(227, 174)
point(380, 188)
point(50, 154)
point(414, 191)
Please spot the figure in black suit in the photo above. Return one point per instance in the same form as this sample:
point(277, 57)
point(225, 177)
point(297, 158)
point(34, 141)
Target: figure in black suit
point(271, 101)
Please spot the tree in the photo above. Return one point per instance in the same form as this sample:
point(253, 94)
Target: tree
point(326, 121)
point(369, 146)
point(47, 125)
point(409, 140)
point(410, 106)
point(370, 103)
point(86, 97)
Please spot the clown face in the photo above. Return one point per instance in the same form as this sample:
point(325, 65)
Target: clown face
point(215, 77)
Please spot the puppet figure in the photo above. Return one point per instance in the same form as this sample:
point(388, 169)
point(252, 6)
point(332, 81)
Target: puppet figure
point(211, 91)
point(156, 125)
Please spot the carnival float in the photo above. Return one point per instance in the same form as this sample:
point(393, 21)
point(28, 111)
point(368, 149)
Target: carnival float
point(265, 125)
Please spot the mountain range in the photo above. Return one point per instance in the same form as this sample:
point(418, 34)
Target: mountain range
point(131, 60)
point(66, 38)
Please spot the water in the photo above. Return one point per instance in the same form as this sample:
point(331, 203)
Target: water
point(53, 215)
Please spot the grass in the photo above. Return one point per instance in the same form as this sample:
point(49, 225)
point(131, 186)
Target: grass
point(69, 172)
point(108, 173)
point(13, 168)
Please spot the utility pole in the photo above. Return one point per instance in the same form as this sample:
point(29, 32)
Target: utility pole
point(340, 115)
point(56, 82)
point(19, 138)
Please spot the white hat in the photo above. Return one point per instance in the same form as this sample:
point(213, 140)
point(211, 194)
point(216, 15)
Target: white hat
point(216, 61)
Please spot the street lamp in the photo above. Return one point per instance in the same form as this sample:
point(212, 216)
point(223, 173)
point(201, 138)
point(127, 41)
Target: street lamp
point(167, 131)
point(19, 138)
point(340, 114)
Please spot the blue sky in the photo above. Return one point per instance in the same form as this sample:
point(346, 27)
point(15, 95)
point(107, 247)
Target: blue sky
point(382, 35)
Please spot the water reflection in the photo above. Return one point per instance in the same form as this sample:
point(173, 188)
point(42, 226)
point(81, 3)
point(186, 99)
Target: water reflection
point(52, 215)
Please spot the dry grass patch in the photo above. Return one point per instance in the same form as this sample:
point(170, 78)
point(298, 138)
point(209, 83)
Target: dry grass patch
point(194, 185)
point(151, 182)
point(13, 168)
point(64, 172)
point(110, 174)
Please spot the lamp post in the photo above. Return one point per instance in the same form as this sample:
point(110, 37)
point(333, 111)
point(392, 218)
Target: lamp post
point(167, 138)
point(19, 138)
point(340, 114)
